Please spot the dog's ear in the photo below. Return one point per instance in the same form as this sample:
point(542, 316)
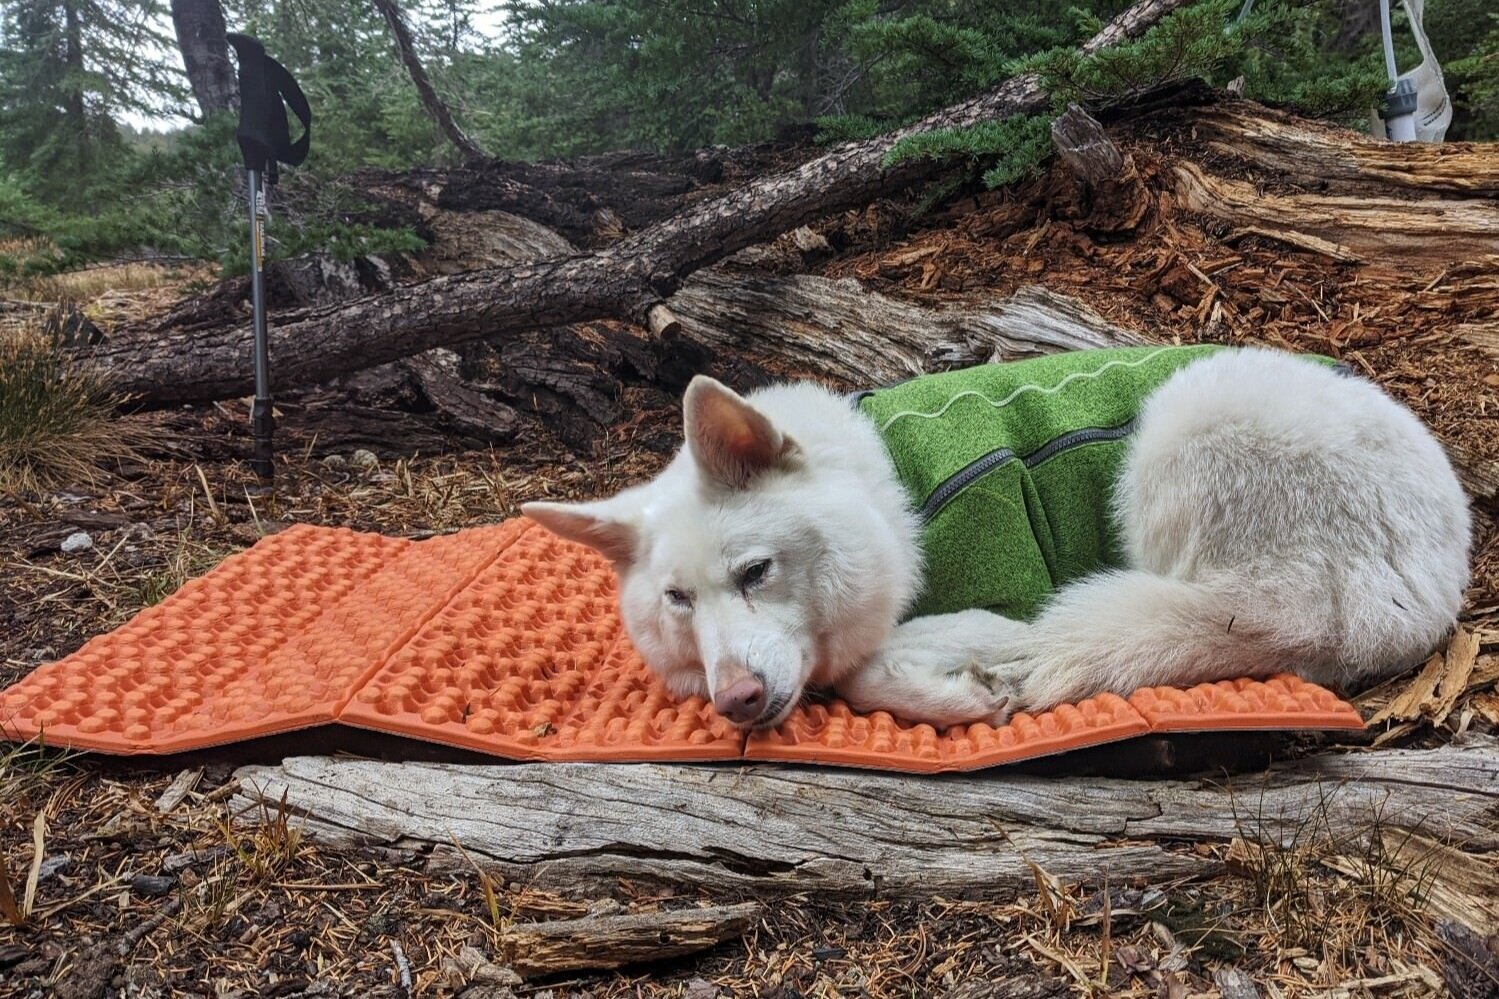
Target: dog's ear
point(731, 440)
point(593, 524)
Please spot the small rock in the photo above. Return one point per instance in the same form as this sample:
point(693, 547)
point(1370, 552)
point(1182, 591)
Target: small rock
point(700, 988)
point(181, 861)
point(78, 541)
point(53, 866)
point(482, 971)
point(364, 459)
point(151, 885)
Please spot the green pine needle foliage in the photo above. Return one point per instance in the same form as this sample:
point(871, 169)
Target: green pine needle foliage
point(1276, 49)
point(573, 77)
point(1007, 151)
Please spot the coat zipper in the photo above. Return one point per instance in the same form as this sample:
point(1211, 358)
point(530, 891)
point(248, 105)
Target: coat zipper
point(985, 464)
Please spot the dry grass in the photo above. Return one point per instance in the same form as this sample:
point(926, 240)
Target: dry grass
point(1333, 898)
point(267, 845)
point(90, 283)
point(57, 422)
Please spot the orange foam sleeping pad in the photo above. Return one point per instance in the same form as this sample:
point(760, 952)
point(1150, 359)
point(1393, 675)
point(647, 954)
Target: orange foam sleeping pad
point(506, 640)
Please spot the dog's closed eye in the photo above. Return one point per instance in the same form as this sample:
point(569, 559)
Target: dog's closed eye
point(754, 574)
point(679, 598)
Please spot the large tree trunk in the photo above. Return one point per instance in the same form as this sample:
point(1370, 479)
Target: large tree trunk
point(434, 104)
point(73, 105)
point(205, 54)
point(776, 829)
point(628, 280)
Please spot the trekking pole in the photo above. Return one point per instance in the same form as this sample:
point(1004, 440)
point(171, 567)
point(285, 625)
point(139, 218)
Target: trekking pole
point(262, 421)
point(266, 90)
point(1399, 111)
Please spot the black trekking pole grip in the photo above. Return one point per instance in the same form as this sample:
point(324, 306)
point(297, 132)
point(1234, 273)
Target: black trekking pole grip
point(266, 89)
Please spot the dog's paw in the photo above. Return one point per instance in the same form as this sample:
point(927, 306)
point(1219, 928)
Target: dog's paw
point(916, 688)
point(998, 693)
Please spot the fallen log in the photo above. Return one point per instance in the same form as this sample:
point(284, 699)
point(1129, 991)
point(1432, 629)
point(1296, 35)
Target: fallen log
point(841, 331)
point(732, 319)
point(748, 328)
point(1319, 155)
point(626, 280)
point(1429, 231)
point(533, 950)
point(771, 829)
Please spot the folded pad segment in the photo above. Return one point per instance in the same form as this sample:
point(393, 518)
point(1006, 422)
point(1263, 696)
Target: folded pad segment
point(506, 640)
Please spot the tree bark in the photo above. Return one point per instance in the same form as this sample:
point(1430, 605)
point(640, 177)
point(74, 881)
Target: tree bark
point(777, 829)
point(435, 105)
point(1315, 154)
point(73, 104)
point(1113, 192)
point(1428, 231)
point(205, 54)
point(597, 942)
point(623, 281)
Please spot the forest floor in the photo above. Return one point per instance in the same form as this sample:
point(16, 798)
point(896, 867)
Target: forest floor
point(135, 899)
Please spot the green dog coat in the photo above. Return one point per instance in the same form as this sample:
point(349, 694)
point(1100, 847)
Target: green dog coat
point(1012, 467)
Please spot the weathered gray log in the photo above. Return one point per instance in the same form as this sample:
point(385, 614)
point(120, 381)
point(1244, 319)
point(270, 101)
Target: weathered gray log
point(841, 330)
point(786, 829)
point(625, 281)
point(596, 942)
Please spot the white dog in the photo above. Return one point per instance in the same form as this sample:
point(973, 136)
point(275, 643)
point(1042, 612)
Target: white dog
point(1272, 515)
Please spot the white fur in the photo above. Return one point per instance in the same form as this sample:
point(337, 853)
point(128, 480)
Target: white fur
point(1278, 516)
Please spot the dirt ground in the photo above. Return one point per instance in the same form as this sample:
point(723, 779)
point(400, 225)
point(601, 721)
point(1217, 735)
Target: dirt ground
point(130, 899)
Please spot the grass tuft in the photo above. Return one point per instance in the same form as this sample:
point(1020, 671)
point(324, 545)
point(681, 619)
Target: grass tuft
point(57, 421)
point(270, 845)
point(1329, 892)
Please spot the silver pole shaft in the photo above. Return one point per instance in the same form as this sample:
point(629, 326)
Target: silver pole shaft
point(261, 421)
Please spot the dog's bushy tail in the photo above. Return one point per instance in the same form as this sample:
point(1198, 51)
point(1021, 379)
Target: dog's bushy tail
point(1119, 631)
